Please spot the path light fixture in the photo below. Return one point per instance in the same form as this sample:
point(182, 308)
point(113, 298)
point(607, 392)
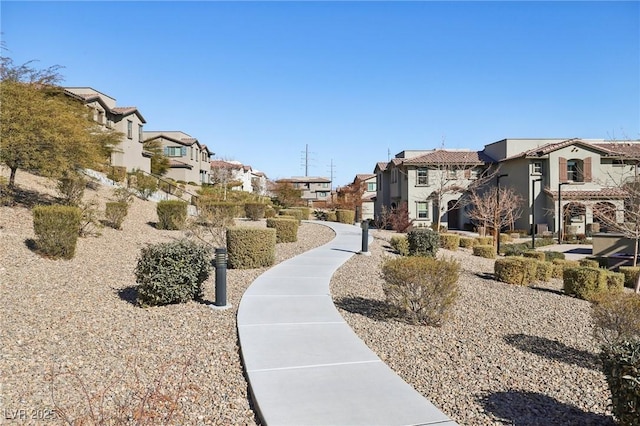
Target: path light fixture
point(533, 212)
point(498, 207)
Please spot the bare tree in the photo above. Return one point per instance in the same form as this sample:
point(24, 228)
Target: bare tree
point(493, 214)
point(625, 220)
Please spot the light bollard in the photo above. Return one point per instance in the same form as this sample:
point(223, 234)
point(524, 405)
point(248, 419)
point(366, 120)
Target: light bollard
point(220, 263)
point(365, 238)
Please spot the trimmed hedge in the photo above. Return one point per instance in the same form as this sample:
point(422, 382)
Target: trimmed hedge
point(400, 243)
point(172, 272)
point(538, 255)
point(621, 366)
point(544, 270)
point(331, 216)
point(115, 213)
point(505, 238)
point(346, 216)
point(561, 264)
point(515, 270)
point(306, 212)
point(590, 263)
point(467, 242)
point(484, 241)
point(550, 256)
point(449, 241)
point(486, 251)
point(56, 229)
point(249, 248)
point(615, 282)
point(616, 317)
point(172, 214)
point(255, 211)
point(286, 229)
point(630, 275)
point(423, 242)
point(584, 282)
point(296, 213)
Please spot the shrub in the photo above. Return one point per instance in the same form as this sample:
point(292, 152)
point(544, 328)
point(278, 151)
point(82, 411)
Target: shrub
point(146, 185)
point(346, 216)
point(172, 272)
point(320, 214)
point(123, 195)
point(515, 249)
point(561, 264)
point(172, 214)
point(423, 242)
point(421, 290)
point(286, 229)
point(621, 366)
point(115, 214)
point(297, 214)
point(56, 229)
point(505, 238)
point(251, 247)
point(399, 219)
point(590, 263)
point(538, 255)
point(544, 270)
point(331, 216)
point(216, 213)
point(486, 251)
point(630, 275)
point(117, 173)
point(616, 317)
point(71, 188)
point(467, 242)
point(615, 282)
point(269, 212)
point(254, 211)
point(484, 241)
point(550, 256)
point(400, 243)
point(306, 212)
point(584, 282)
point(449, 241)
point(515, 270)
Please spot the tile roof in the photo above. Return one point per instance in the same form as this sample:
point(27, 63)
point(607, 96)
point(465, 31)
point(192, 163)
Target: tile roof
point(382, 165)
point(365, 176)
point(124, 110)
point(624, 148)
point(603, 193)
point(550, 147)
point(221, 164)
point(179, 164)
point(443, 156)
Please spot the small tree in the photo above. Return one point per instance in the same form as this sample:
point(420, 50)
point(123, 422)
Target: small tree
point(159, 163)
point(399, 219)
point(286, 195)
point(486, 210)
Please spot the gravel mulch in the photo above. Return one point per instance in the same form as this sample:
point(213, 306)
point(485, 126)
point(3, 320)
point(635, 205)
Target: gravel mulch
point(509, 354)
point(72, 337)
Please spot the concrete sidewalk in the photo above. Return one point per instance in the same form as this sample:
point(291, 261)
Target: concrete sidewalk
point(304, 364)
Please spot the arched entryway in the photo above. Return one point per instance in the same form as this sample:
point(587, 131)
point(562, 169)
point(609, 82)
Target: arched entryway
point(604, 214)
point(453, 217)
point(574, 218)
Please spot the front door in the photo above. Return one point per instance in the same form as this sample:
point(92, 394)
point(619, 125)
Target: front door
point(453, 217)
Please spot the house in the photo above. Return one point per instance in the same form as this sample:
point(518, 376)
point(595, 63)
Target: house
point(579, 176)
point(129, 152)
point(316, 191)
point(361, 195)
point(431, 183)
point(244, 176)
point(189, 160)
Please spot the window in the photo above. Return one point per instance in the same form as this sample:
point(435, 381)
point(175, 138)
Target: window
point(573, 171)
point(140, 134)
point(423, 176)
point(394, 175)
point(322, 194)
point(371, 186)
point(537, 167)
point(175, 151)
point(452, 174)
point(129, 129)
point(423, 209)
point(325, 185)
point(191, 153)
point(100, 118)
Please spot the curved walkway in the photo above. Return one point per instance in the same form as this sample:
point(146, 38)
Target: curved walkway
point(304, 364)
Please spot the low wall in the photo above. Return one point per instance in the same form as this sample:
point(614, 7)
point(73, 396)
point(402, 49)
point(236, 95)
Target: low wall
point(607, 244)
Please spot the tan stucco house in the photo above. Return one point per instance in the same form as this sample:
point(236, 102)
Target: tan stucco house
point(189, 160)
point(316, 191)
point(129, 152)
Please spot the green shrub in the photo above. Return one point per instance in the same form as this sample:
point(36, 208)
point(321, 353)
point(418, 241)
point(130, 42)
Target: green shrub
point(518, 249)
point(449, 241)
point(515, 270)
point(331, 216)
point(270, 212)
point(56, 229)
point(117, 173)
point(541, 242)
point(630, 275)
point(423, 242)
point(590, 263)
point(115, 214)
point(346, 216)
point(544, 270)
point(467, 242)
point(286, 229)
point(615, 282)
point(584, 282)
point(616, 317)
point(296, 213)
point(71, 188)
point(538, 255)
point(621, 366)
point(484, 241)
point(251, 247)
point(505, 238)
point(306, 212)
point(421, 290)
point(561, 264)
point(146, 185)
point(172, 214)
point(254, 211)
point(486, 251)
point(550, 256)
point(400, 243)
point(172, 272)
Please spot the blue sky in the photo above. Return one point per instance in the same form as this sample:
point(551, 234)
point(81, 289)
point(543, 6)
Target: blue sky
point(259, 81)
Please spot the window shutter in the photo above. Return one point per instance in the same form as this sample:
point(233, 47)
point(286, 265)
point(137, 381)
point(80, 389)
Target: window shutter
point(562, 165)
point(184, 151)
point(467, 173)
point(587, 169)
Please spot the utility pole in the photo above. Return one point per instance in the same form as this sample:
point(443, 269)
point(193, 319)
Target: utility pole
point(306, 159)
point(331, 170)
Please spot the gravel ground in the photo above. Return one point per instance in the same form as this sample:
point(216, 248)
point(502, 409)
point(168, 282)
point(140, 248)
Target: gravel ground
point(509, 355)
point(73, 339)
